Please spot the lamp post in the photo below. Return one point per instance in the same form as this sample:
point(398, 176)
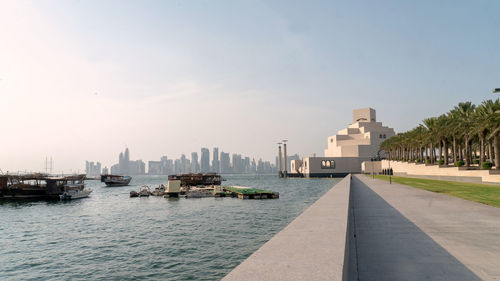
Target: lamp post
point(496, 90)
point(285, 171)
point(390, 172)
point(279, 160)
point(373, 173)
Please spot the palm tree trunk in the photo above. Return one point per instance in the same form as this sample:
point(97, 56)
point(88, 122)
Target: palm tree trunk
point(445, 148)
point(481, 150)
point(440, 151)
point(490, 151)
point(471, 160)
point(430, 154)
point(467, 153)
point(496, 147)
point(433, 154)
point(454, 154)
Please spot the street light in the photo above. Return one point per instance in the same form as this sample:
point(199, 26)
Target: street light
point(390, 174)
point(285, 171)
point(496, 90)
point(279, 160)
point(373, 174)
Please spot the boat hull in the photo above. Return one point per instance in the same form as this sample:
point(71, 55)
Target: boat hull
point(28, 194)
point(75, 195)
point(112, 180)
point(117, 183)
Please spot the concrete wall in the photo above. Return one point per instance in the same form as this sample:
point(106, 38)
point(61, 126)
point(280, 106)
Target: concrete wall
point(450, 173)
point(315, 246)
point(343, 166)
point(368, 167)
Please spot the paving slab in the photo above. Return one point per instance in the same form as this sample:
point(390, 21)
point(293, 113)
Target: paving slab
point(405, 233)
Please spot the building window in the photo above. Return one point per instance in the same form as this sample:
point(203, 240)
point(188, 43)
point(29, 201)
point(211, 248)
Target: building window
point(331, 140)
point(328, 164)
point(384, 136)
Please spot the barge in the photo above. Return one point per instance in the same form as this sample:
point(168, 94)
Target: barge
point(192, 179)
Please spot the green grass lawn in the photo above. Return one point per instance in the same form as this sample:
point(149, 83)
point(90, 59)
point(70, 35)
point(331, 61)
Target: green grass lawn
point(482, 193)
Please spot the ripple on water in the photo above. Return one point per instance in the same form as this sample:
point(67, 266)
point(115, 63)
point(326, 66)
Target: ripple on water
point(111, 236)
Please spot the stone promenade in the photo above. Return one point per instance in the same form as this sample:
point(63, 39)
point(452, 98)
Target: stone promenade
point(384, 232)
point(404, 233)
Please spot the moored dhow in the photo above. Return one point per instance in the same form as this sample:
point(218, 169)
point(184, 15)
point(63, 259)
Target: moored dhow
point(36, 186)
point(115, 180)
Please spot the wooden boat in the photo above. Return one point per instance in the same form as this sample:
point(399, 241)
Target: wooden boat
point(36, 186)
point(115, 180)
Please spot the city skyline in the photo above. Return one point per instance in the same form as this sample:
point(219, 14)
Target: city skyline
point(228, 163)
point(163, 77)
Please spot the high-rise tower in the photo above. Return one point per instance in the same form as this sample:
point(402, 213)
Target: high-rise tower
point(215, 160)
point(205, 160)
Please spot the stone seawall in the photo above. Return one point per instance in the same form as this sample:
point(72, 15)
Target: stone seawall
point(443, 173)
point(314, 246)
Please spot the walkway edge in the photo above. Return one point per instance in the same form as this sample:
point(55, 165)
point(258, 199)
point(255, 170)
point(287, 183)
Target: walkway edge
point(314, 246)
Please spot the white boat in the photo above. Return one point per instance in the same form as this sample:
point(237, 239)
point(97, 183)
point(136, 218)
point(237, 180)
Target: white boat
point(145, 191)
point(75, 190)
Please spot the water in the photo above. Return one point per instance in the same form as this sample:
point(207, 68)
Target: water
point(113, 237)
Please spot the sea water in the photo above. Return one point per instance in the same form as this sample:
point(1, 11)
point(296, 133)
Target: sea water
point(113, 237)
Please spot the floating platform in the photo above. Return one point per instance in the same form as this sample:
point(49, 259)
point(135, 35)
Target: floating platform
point(251, 193)
point(240, 192)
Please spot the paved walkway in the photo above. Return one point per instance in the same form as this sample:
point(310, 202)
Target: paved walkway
point(404, 233)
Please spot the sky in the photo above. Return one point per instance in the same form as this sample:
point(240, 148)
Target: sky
point(82, 80)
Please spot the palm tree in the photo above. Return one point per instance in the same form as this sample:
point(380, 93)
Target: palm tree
point(469, 128)
point(442, 133)
point(464, 113)
point(431, 125)
point(454, 129)
point(482, 128)
point(490, 111)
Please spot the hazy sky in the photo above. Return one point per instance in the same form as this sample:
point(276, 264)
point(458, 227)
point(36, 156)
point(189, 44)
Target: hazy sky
point(80, 80)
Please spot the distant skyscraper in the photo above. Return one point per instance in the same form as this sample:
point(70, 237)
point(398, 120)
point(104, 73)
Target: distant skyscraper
point(205, 160)
point(246, 165)
point(154, 167)
point(215, 160)
point(225, 164)
point(169, 169)
point(177, 166)
point(125, 166)
point(126, 162)
point(115, 169)
point(184, 167)
point(164, 164)
point(195, 167)
point(92, 169)
point(121, 164)
point(237, 164)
